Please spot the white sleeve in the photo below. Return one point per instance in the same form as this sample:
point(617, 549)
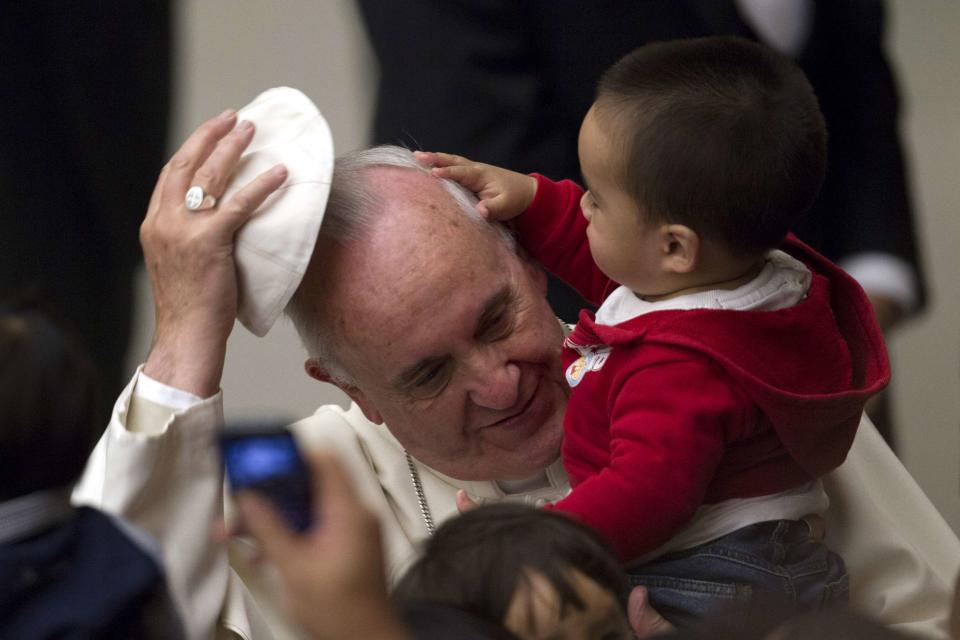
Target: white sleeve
point(901, 554)
point(166, 479)
point(159, 393)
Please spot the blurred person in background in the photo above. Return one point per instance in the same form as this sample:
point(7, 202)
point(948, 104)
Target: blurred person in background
point(508, 83)
point(65, 572)
point(83, 125)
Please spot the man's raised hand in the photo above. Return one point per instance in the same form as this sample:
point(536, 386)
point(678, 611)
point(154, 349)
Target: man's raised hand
point(189, 254)
point(503, 194)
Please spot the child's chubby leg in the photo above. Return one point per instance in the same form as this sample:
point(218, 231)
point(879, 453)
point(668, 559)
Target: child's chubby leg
point(770, 569)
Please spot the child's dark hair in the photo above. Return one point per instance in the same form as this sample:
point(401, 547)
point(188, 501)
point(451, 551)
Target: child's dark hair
point(475, 562)
point(48, 398)
point(720, 134)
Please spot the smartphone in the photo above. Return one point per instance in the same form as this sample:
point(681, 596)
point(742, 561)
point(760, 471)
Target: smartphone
point(264, 457)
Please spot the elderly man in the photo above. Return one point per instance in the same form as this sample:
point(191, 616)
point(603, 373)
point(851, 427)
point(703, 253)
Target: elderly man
point(441, 335)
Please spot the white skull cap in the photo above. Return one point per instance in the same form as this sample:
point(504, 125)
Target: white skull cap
point(273, 249)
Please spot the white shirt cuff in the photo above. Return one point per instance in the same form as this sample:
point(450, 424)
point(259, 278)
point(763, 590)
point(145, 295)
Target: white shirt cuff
point(162, 394)
point(884, 274)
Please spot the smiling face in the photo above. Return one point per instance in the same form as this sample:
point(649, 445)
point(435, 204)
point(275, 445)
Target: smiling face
point(448, 338)
point(623, 245)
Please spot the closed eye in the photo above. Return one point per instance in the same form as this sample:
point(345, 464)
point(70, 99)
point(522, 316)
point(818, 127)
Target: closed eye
point(428, 380)
point(499, 327)
point(498, 319)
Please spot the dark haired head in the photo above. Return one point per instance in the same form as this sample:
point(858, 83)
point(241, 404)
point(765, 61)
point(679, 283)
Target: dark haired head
point(476, 562)
point(47, 403)
point(720, 134)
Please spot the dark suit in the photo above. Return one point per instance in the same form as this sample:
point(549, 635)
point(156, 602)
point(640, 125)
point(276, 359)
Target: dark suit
point(83, 578)
point(509, 81)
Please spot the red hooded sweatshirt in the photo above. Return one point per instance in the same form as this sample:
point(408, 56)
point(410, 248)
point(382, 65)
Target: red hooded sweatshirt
point(692, 407)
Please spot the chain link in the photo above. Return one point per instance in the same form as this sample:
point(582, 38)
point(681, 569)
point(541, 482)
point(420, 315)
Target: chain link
point(421, 497)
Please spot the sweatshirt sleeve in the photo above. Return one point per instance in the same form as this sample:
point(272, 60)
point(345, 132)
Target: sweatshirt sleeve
point(668, 427)
point(554, 232)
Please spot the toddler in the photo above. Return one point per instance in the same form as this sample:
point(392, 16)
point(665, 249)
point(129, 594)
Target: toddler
point(728, 364)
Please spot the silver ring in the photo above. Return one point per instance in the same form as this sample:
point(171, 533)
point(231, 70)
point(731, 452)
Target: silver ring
point(197, 200)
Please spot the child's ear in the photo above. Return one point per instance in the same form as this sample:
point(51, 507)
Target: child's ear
point(679, 248)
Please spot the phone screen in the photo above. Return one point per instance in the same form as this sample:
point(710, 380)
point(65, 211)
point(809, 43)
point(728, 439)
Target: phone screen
point(268, 461)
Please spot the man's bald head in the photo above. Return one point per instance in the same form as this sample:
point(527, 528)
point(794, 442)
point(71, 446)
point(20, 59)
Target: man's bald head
point(363, 183)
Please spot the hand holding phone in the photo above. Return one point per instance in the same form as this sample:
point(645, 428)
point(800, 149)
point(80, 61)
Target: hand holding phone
point(264, 457)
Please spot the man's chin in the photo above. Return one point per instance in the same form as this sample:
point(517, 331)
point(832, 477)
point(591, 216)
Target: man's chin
point(517, 448)
point(532, 456)
point(527, 459)
point(518, 470)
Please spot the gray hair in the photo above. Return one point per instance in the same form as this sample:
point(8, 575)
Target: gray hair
point(352, 207)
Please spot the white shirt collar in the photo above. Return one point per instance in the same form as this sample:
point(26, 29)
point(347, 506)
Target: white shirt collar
point(782, 283)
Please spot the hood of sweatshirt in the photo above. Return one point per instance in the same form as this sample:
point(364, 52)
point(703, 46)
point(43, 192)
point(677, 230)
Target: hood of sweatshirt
point(810, 367)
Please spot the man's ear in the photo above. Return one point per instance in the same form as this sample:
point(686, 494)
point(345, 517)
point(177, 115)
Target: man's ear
point(317, 371)
point(679, 248)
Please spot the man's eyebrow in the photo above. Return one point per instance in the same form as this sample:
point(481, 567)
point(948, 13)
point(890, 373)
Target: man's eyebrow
point(495, 305)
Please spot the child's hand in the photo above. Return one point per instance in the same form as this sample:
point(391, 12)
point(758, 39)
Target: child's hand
point(503, 194)
point(465, 502)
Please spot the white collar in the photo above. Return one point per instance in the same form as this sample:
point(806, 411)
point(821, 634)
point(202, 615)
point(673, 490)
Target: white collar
point(782, 282)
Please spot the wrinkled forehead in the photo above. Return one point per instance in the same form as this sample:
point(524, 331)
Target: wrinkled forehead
point(420, 222)
point(423, 251)
point(409, 196)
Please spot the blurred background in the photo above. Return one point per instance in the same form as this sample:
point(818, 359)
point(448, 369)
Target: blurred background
point(224, 52)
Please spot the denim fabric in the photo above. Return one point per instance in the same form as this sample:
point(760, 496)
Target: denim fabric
point(770, 568)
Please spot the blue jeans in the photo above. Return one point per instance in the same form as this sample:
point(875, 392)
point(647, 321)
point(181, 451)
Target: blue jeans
point(768, 568)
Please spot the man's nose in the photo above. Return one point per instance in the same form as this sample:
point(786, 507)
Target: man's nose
point(494, 382)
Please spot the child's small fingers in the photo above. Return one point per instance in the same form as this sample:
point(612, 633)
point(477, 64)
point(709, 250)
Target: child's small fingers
point(439, 159)
point(483, 210)
point(464, 502)
point(497, 207)
point(424, 157)
point(453, 172)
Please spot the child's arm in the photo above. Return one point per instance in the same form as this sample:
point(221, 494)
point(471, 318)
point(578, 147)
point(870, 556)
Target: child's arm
point(552, 228)
point(669, 424)
point(554, 232)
